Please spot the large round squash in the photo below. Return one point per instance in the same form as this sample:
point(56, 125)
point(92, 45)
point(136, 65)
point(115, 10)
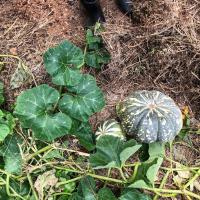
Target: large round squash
point(150, 116)
point(110, 127)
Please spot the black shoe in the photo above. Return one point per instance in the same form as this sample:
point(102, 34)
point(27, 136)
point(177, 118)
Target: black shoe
point(94, 11)
point(126, 6)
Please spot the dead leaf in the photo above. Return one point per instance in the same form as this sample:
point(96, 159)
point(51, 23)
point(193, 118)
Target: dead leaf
point(178, 180)
point(20, 76)
point(197, 184)
point(13, 51)
point(183, 173)
point(45, 181)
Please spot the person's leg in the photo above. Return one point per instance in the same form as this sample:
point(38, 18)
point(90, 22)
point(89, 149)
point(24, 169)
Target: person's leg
point(126, 6)
point(94, 11)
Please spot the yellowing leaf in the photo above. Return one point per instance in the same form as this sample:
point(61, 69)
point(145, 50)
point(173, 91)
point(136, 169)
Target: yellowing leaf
point(45, 181)
point(183, 173)
point(20, 76)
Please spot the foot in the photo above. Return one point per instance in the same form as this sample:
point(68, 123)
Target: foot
point(94, 11)
point(125, 6)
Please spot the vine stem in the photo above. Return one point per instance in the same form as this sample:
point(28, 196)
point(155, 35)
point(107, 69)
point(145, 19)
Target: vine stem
point(180, 169)
point(162, 184)
point(32, 187)
point(192, 180)
point(106, 178)
point(39, 152)
point(122, 174)
point(184, 192)
point(8, 188)
point(69, 181)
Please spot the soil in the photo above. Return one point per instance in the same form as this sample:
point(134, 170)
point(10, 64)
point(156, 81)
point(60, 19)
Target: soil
point(155, 50)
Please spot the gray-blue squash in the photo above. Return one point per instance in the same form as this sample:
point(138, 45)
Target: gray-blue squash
point(150, 116)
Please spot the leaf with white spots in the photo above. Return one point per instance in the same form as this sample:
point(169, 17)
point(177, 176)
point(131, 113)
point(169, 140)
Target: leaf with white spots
point(83, 99)
point(11, 154)
point(62, 63)
point(35, 110)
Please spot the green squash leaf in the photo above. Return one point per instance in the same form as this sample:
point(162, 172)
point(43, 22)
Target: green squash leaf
point(86, 190)
point(106, 193)
point(85, 100)
point(152, 150)
point(83, 131)
point(112, 152)
point(4, 131)
point(1, 93)
point(96, 54)
point(93, 41)
point(62, 62)
point(35, 110)
point(11, 154)
point(130, 194)
point(146, 173)
point(7, 124)
point(97, 58)
point(156, 150)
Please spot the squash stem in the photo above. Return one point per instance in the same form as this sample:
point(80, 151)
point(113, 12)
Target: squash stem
point(183, 192)
point(32, 187)
point(162, 184)
point(191, 180)
point(122, 174)
point(39, 152)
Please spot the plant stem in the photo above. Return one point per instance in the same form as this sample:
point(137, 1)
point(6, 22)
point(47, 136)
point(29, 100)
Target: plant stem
point(39, 152)
point(122, 174)
point(183, 192)
point(180, 169)
point(162, 184)
point(69, 181)
point(61, 193)
point(192, 180)
point(106, 178)
point(32, 187)
point(8, 187)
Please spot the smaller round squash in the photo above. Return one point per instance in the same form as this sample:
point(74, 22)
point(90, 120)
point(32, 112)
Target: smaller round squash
point(110, 127)
point(150, 116)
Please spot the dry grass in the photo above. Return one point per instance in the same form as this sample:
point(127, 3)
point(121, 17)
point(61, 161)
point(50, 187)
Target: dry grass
point(160, 51)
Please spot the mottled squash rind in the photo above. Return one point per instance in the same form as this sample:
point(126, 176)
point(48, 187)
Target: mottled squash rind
point(150, 116)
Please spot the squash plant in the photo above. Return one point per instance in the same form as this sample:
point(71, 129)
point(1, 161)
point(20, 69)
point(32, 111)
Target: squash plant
point(51, 113)
point(7, 121)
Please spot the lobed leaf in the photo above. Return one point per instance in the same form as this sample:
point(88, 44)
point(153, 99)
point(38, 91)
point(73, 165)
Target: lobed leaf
point(86, 190)
point(112, 152)
point(35, 110)
point(62, 63)
point(7, 124)
point(83, 131)
point(11, 154)
point(146, 173)
point(85, 99)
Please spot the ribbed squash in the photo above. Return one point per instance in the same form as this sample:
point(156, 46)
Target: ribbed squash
point(150, 116)
point(110, 127)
